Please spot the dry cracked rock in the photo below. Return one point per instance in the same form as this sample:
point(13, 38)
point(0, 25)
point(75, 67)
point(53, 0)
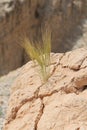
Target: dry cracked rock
point(59, 104)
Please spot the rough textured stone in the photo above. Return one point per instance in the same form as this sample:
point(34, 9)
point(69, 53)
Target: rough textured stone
point(25, 17)
point(58, 104)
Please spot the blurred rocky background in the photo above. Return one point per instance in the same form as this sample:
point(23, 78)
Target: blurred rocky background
point(66, 18)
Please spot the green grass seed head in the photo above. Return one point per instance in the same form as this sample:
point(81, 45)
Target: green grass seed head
point(40, 53)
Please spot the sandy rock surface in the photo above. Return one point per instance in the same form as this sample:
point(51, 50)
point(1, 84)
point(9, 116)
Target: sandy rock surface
point(58, 104)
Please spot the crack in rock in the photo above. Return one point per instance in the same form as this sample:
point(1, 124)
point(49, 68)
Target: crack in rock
point(39, 115)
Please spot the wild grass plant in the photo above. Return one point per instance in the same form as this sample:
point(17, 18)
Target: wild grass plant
point(40, 52)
